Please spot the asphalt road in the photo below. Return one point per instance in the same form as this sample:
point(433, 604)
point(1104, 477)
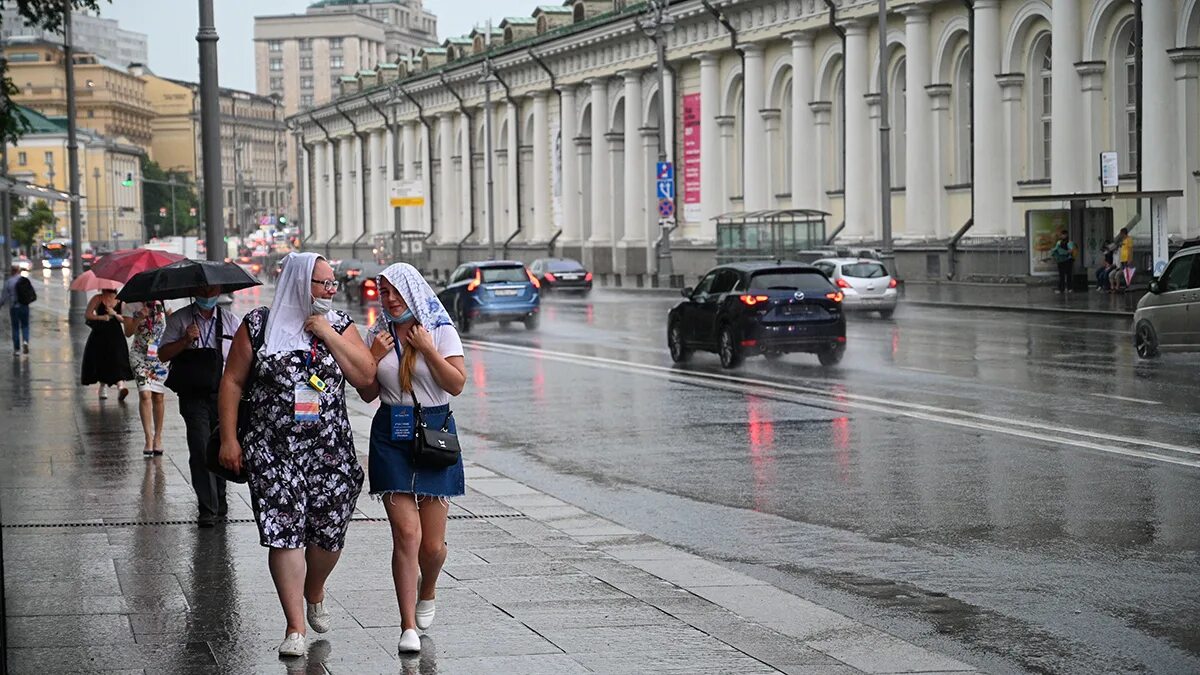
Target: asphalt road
point(1015, 490)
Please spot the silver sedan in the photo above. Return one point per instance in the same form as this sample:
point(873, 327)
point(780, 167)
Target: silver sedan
point(865, 284)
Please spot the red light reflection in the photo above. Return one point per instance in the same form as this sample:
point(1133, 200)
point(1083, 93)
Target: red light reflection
point(762, 450)
point(841, 446)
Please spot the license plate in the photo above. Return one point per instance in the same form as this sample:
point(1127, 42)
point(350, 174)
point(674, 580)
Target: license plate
point(569, 277)
point(506, 292)
point(797, 310)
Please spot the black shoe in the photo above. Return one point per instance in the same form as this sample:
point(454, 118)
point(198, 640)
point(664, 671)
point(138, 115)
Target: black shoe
point(26, 348)
point(206, 520)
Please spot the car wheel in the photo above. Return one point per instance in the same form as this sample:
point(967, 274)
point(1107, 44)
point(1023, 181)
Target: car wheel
point(730, 352)
point(533, 321)
point(831, 356)
point(464, 322)
point(679, 351)
point(886, 313)
point(1145, 340)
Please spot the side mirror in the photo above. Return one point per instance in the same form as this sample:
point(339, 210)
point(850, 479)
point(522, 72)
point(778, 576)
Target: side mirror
point(686, 292)
point(1155, 287)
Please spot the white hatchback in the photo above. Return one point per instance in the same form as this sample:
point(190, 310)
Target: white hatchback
point(865, 283)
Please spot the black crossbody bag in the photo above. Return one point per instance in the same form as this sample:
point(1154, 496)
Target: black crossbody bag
point(432, 448)
point(197, 372)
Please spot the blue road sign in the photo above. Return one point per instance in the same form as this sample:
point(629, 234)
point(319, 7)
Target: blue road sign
point(666, 189)
point(666, 171)
point(666, 208)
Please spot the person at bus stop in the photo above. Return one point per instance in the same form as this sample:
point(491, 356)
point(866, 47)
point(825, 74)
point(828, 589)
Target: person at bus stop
point(195, 342)
point(15, 288)
point(1124, 248)
point(106, 354)
point(293, 362)
point(1063, 254)
point(146, 327)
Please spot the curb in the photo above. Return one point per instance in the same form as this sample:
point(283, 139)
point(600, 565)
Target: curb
point(1108, 313)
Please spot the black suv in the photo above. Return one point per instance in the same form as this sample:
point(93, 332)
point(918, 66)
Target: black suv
point(771, 308)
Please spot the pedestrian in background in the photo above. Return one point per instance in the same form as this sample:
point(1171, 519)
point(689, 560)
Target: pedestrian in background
point(196, 342)
point(1106, 267)
point(1124, 250)
point(298, 449)
point(106, 354)
point(420, 357)
point(1063, 254)
point(146, 327)
point(18, 293)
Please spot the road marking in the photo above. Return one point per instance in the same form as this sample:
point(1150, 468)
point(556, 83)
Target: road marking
point(977, 421)
point(1126, 398)
point(922, 370)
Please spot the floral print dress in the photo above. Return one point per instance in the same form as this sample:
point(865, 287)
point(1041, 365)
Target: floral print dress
point(304, 477)
point(150, 373)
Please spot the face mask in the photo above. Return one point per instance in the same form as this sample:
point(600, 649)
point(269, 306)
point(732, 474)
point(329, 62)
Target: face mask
point(406, 316)
point(206, 303)
point(322, 306)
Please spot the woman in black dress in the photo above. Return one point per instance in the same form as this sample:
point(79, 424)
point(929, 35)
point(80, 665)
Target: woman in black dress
point(106, 356)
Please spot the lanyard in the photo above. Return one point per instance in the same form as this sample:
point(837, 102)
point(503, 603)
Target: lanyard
point(212, 329)
point(151, 316)
point(311, 357)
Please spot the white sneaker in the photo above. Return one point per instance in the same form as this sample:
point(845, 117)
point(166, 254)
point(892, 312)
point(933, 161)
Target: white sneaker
point(410, 642)
point(318, 616)
point(425, 613)
point(292, 645)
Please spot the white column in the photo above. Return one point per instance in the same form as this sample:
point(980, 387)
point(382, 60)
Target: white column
point(939, 109)
point(572, 225)
point(649, 158)
point(1187, 77)
point(375, 159)
point(1160, 129)
point(514, 163)
point(1011, 86)
point(1091, 123)
point(991, 194)
point(872, 179)
point(804, 130)
point(331, 190)
point(448, 215)
point(859, 200)
point(302, 175)
point(349, 181)
point(411, 217)
point(1067, 164)
point(823, 140)
point(635, 181)
point(542, 208)
point(601, 180)
point(920, 189)
point(711, 202)
point(466, 180)
point(726, 126)
point(754, 160)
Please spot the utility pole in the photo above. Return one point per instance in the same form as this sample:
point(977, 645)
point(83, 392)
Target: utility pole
point(488, 78)
point(885, 146)
point(77, 297)
point(210, 131)
point(5, 196)
point(656, 25)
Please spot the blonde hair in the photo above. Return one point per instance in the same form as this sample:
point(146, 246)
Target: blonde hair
point(407, 364)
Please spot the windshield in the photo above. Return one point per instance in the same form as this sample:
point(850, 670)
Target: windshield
point(493, 275)
point(564, 266)
point(864, 271)
point(788, 280)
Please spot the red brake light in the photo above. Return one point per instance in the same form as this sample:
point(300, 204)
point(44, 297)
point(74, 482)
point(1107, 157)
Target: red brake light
point(842, 283)
point(476, 281)
point(550, 277)
point(532, 279)
point(892, 283)
point(588, 277)
point(836, 297)
point(752, 300)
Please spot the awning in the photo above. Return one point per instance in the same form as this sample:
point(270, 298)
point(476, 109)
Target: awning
point(16, 187)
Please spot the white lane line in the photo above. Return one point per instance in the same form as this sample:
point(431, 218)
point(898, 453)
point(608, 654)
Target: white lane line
point(1036, 431)
point(1130, 400)
point(922, 370)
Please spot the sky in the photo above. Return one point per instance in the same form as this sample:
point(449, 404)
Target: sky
point(171, 27)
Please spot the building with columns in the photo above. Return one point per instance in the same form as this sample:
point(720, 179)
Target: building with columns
point(786, 101)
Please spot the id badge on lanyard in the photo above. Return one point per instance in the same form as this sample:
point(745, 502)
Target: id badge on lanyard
point(403, 416)
point(307, 396)
point(152, 345)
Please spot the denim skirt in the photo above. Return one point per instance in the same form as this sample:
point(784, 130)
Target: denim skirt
point(390, 466)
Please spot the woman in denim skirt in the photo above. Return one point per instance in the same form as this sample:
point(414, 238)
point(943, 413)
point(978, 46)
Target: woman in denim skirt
point(418, 353)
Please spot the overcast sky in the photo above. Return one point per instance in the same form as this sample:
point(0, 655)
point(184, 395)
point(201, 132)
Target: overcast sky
point(171, 25)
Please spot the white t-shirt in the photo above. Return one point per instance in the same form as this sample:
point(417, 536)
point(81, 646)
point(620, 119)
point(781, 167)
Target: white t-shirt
point(429, 394)
point(177, 325)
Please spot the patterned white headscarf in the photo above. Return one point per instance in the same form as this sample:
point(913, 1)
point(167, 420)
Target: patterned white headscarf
point(292, 305)
point(418, 295)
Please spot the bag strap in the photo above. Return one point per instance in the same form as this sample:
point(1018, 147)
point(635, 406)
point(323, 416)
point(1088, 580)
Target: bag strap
point(417, 412)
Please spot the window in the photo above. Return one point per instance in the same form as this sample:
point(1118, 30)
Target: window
point(726, 282)
point(871, 270)
point(1125, 91)
point(50, 158)
point(788, 280)
point(306, 43)
point(337, 62)
point(1041, 68)
point(22, 159)
point(704, 286)
point(306, 82)
point(493, 275)
point(897, 99)
point(305, 63)
point(1178, 275)
point(461, 274)
point(839, 136)
point(91, 113)
point(275, 45)
point(335, 43)
point(276, 64)
point(306, 100)
point(276, 83)
point(382, 15)
point(962, 116)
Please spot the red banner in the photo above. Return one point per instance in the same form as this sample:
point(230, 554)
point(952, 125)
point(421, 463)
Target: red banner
point(691, 156)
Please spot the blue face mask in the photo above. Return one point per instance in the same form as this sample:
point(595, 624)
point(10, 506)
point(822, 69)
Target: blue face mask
point(406, 316)
point(206, 303)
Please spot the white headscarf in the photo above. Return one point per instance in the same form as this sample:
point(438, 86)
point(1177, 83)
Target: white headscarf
point(292, 305)
point(418, 295)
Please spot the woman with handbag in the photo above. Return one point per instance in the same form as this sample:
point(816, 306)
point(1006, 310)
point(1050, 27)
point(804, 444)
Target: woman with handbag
point(298, 449)
point(420, 367)
point(106, 354)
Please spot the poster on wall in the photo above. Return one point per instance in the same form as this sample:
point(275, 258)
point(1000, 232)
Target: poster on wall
point(691, 157)
point(1041, 230)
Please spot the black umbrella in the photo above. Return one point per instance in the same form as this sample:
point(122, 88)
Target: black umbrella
point(183, 279)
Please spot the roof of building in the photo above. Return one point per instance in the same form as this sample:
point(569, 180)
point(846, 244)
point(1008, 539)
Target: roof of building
point(518, 21)
point(45, 124)
point(39, 123)
point(225, 91)
point(335, 3)
point(552, 9)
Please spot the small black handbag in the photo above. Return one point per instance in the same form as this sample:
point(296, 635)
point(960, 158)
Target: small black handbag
point(434, 448)
point(197, 372)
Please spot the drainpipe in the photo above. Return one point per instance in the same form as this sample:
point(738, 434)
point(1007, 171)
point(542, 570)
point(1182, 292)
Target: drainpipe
point(428, 168)
point(468, 168)
point(733, 43)
point(394, 173)
point(841, 33)
point(337, 199)
point(514, 158)
point(952, 247)
point(1141, 90)
point(836, 231)
point(362, 176)
point(554, 86)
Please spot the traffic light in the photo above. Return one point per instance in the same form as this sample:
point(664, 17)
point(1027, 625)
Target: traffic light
point(128, 182)
point(282, 219)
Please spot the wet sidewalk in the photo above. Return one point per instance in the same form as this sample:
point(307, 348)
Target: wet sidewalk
point(1021, 298)
point(105, 570)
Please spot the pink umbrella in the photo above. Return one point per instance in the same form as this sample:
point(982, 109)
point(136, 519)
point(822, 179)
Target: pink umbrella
point(122, 265)
point(88, 281)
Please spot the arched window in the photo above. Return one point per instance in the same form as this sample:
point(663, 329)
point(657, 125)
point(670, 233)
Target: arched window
point(1125, 90)
point(781, 151)
point(735, 150)
point(962, 117)
point(838, 179)
point(898, 94)
point(1041, 105)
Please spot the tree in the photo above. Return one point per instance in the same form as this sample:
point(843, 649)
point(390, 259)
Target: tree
point(47, 14)
point(26, 229)
point(156, 196)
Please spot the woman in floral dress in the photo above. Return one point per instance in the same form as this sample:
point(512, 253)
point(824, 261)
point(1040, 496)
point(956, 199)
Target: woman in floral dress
point(146, 328)
point(298, 449)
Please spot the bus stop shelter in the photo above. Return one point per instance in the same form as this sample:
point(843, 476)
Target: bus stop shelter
point(773, 234)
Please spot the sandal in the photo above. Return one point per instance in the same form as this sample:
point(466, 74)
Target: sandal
point(123, 394)
point(158, 452)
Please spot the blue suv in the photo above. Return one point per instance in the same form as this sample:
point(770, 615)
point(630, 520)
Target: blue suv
point(500, 291)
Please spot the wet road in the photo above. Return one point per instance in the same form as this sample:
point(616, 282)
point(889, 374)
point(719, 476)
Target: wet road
point(1015, 490)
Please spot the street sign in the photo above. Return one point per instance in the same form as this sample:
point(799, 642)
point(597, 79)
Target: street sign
point(406, 193)
point(666, 208)
point(162, 212)
point(665, 171)
point(666, 189)
point(1110, 176)
point(192, 211)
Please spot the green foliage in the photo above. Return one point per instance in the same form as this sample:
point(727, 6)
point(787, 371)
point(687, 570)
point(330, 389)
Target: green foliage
point(47, 14)
point(26, 229)
point(156, 196)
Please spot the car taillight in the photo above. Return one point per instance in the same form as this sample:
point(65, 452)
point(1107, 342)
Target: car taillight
point(550, 277)
point(370, 288)
point(475, 282)
point(836, 297)
point(752, 300)
point(892, 283)
point(842, 283)
point(587, 277)
point(532, 279)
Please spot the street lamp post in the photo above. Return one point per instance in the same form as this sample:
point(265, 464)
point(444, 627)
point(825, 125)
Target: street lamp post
point(487, 80)
point(656, 24)
point(210, 130)
point(77, 297)
point(885, 147)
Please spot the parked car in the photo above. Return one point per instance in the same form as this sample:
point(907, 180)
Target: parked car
point(503, 291)
point(1168, 317)
point(864, 282)
point(562, 274)
point(362, 284)
point(744, 309)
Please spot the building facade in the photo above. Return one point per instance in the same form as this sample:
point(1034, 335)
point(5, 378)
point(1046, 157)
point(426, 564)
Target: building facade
point(103, 37)
point(783, 112)
point(408, 26)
